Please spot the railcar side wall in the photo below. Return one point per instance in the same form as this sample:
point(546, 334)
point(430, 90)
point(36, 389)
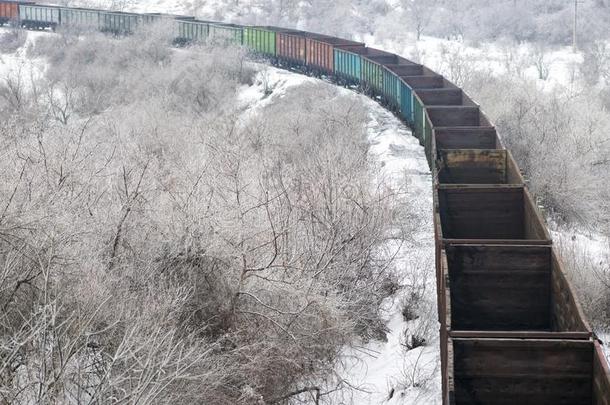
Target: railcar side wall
point(39, 16)
point(260, 40)
point(348, 66)
point(9, 11)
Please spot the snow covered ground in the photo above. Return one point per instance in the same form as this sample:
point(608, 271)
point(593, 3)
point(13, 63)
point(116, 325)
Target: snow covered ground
point(385, 372)
point(11, 63)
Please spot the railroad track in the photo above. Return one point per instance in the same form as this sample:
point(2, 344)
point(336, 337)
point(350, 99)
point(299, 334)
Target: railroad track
point(512, 331)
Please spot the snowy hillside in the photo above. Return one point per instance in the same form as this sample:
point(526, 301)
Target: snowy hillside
point(386, 372)
point(378, 371)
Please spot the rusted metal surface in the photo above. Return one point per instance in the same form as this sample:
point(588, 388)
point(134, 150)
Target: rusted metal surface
point(490, 214)
point(9, 11)
point(518, 371)
point(601, 378)
point(454, 116)
point(466, 138)
point(441, 97)
point(477, 166)
point(510, 288)
point(291, 46)
point(424, 81)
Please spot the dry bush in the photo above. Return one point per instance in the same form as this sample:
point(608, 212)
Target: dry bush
point(418, 307)
point(590, 273)
point(94, 75)
point(157, 249)
point(559, 139)
point(12, 40)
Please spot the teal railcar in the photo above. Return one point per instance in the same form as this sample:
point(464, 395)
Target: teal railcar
point(390, 89)
point(372, 76)
point(348, 66)
point(406, 103)
point(156, 18)
point(39, 17)
point(427, 134)
point(418, 119)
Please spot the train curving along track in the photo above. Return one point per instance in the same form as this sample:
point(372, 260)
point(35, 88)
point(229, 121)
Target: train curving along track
point(511, 328)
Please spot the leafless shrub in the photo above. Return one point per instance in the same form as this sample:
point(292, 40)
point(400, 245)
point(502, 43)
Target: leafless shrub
point(590, 273)
point(420, 331)
point(12, 40)
point(595, 64)
point(541, 60)
point(420, 371)
point(456, 64)
point(20, 96)
point(144, 224)
point(557, 137)
point(415, 286)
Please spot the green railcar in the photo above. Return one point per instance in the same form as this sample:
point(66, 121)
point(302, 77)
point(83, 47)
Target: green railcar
point(390, 89)
point(261, 40)
point(428, 133)
point(372, 76)
point(39, 16)
point(226, 34)
point(406, 102)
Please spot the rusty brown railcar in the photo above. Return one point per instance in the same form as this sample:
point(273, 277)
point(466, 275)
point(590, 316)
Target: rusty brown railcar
point(477, 166)
point(321, 51)
point(9, 11)
point(525, 372)
point(500, 290)
point(495, 214)
point(291, 47)
point(512, 330)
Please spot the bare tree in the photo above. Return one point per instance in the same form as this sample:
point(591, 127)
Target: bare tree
point(158, 247)
point(420, 13)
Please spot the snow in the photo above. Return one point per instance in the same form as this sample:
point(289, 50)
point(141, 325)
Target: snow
point(270, 84)
point(593, 246)
point(376, 369)
point(12, 63)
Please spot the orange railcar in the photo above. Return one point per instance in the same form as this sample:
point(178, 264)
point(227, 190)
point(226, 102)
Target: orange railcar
point(9, 11)
point(291, 46)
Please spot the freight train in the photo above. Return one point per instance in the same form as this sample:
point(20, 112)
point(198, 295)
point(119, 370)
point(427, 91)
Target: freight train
point(512, 331)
